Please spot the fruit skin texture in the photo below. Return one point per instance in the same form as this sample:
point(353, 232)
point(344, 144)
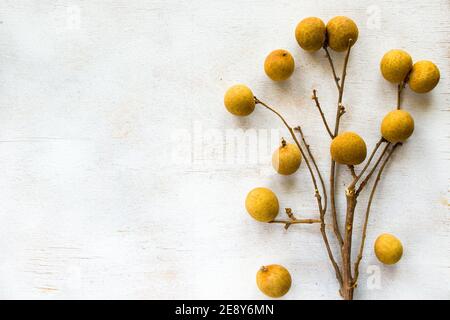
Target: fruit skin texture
point(262, 204)
point(397, 126)
point(279, 65)
point(348, 148)
point(274, 280)
point(395, 65)
point(388, 249)
point(310, 34)
point(287, 159)
point(424, 76)
point(239, 100)
point(339, 30)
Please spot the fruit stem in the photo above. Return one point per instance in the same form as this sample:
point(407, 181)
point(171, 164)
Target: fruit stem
point(340, 110)
point(369, 203)
point(283, 142)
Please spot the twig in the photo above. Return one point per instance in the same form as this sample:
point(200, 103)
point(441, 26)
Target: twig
point(364, 232)
point(317, 194)
point(322, 212)
point(330, 60)
point(339, 112)
point(364, 182)
point(313, 160)
point(316, 100)
point(289, 222)
point(294, 220)
point(356, 178)
point(352, 171)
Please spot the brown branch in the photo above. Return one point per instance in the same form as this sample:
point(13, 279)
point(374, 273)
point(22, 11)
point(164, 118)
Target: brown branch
point(330, 60)
point(352, 171)
point(339, 112)
point(364, 182)
point(344, 73)
point(322, 212)
point(364, 232)
point(356, 178)
point(287, 223)
point(316, 100)
point(316, 190)
point(313, 160)
point(294, 220)
point(347, 288)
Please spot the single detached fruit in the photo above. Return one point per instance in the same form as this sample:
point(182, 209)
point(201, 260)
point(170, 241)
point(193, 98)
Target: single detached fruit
point(239, 100)
point(262, 204)
point(339, 31)
point(424, 76)
point(397, 126)
point(287, 158)
point(395, 65)
point(310, 34)
point(273, 280)
point(388, 249)
point(348, 148)
point(279, 65)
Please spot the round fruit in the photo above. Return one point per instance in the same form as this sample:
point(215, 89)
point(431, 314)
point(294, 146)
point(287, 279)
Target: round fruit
point(310, 34)
point(339, 31)
point(397, 126)
point(348, 148)
point(424, 76)
point(262, 204)
point(388, 249)
point(395, 65)
point(239, 100)
point(273, 280)
point(279, 65)
point(287, 158)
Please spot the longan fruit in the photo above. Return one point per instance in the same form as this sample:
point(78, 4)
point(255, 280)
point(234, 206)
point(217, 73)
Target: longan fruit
point(287, 158)
point(279, 65)
point(397, 126)
point(339, 31)
point(388, 249)
point(424, 76)
point(395, 65)
point(262, 204)
point(239, 100)
point(348, 148)
point(310, 34)
point(273, 280)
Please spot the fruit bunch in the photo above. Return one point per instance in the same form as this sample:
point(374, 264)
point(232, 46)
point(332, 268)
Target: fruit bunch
point(346, 148)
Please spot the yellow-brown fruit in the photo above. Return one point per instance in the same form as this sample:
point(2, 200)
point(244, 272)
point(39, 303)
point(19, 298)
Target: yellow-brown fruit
point(348, 148)
point(397, 126)
point(239, 100)
point(395, 65)
point(287, 158)
point(310, 34)
point(339, 31)
point(424, 76)
point(262, 204)
point(273, 280)
point(279, 65)
point(388, 249)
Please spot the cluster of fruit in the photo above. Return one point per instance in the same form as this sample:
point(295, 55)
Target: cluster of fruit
point(347, 148)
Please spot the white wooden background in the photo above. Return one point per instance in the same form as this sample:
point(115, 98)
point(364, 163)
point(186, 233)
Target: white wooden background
point(113, 130)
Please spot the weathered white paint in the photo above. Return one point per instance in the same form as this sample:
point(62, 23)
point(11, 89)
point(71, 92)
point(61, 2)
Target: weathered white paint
point(92, 94)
